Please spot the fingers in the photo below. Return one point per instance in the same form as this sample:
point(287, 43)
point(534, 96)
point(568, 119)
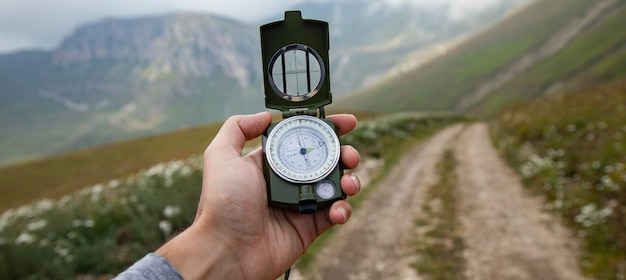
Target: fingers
point(350, 157)
point(350, 184)
point(239, 129)
point(345, 122)
point(340, 212)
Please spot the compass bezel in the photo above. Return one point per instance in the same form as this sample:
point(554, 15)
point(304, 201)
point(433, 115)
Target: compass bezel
point(275, 138)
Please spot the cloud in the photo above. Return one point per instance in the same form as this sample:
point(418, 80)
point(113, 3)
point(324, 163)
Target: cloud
point(43, 24)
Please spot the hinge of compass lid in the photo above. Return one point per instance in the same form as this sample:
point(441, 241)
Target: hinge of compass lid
point(304, 111)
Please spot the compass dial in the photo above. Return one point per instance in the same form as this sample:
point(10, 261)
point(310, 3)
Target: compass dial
point(302, 149)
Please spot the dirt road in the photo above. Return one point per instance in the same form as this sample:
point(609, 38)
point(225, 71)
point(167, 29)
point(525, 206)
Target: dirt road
point(506, 233)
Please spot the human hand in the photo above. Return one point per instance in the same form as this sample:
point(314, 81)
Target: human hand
point(235, 234)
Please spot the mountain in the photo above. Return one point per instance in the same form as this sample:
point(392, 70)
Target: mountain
point(119, 78)
point(116, 79)
point(548, 46)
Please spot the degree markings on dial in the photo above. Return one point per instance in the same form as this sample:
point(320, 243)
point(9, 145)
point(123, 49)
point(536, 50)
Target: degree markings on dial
point(300, 149)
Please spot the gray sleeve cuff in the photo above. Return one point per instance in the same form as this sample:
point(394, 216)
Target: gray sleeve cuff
point(152, 266)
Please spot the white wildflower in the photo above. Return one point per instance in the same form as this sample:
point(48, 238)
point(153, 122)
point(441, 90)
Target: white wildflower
point(64, 201)
point(45, 205)
point(571, 128)
point(609, 183)
point(113, 184)
point(37, 225)
point(25, 211)
point(596, 165)
point(24, 238)
point(71, 235)
point(77, 223)
point(171, 211)
point(590, 215)
point(165, 227)
point(89, 223)
point(61, 251)
point(44, 242)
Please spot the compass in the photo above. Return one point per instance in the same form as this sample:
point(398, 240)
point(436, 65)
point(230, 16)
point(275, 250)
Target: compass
point(302, 149)
point(302, 152)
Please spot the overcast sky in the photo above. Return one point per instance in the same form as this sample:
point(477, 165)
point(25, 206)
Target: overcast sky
point(42, 24)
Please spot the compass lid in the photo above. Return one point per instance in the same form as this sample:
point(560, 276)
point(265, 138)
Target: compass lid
point(296, 63)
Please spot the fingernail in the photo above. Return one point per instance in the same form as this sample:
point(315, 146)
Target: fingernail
point(343, 213)
point(356, 181)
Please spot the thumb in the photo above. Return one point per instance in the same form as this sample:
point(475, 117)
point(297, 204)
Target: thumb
point(239, 129)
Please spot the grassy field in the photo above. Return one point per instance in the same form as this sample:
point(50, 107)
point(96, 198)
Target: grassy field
point(571, 148)
point(59, 175)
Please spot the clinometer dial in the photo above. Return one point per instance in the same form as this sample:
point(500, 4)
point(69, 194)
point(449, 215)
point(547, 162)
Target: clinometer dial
point(303, 149)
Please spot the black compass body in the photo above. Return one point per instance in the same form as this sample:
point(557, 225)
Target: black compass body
point(302, 152)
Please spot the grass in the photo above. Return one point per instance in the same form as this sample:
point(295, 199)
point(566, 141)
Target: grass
point(98, 231)
point(439, 246)
point(571, 148)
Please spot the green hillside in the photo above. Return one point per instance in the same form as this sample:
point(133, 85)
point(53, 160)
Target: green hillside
point(444, 82)
point(595, 57)
point(62, 174)
point(571, 149)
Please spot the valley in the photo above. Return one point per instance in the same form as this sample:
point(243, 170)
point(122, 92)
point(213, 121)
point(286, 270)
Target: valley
point(499, 155)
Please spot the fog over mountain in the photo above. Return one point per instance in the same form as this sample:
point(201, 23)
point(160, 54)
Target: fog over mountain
point(33, 24)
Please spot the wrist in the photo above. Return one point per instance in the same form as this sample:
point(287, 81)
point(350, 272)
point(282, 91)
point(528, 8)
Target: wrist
point(196, 254)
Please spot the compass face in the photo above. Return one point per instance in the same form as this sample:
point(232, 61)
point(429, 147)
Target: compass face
point(302, 149)
point(296, 72)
